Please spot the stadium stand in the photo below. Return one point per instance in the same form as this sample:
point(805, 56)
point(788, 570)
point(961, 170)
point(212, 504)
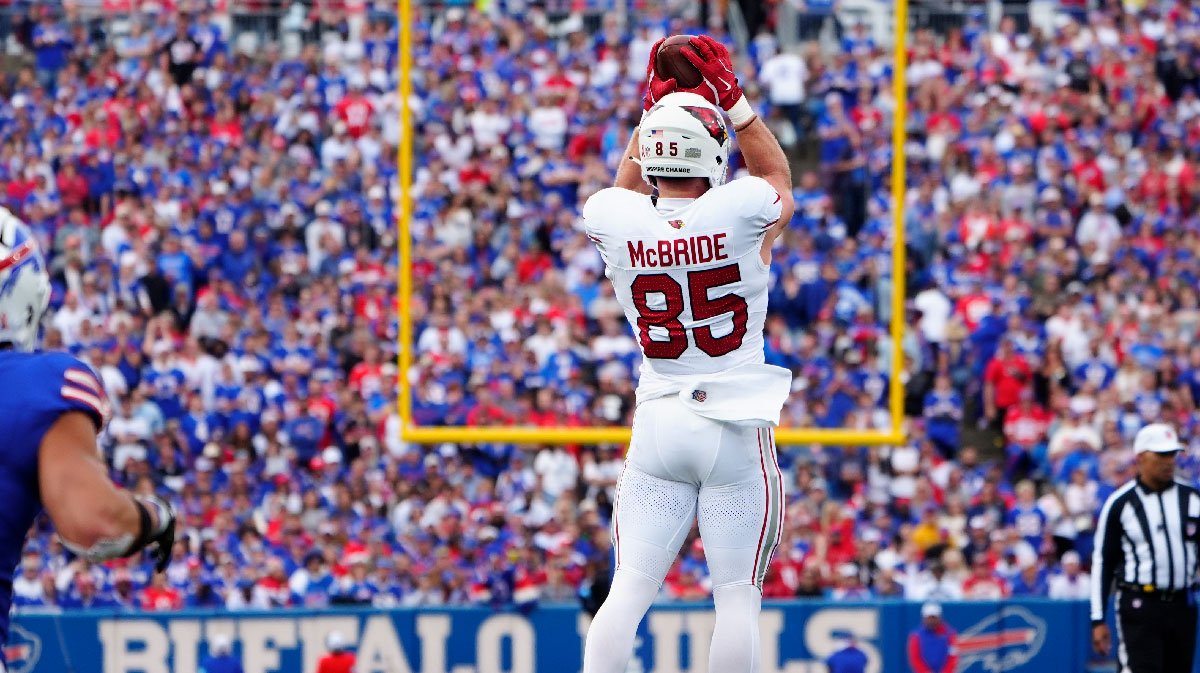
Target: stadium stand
point(221, 230)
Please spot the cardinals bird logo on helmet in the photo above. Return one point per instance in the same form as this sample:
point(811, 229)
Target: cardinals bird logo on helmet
point(712, 121)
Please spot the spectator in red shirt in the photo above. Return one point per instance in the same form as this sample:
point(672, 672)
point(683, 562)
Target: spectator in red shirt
point(841, 548)
point(1025, 427)
point(20, 185)
point(532, 266)
point(272, 589)
point(978, 225)
point(366, 377)
point(867, 116)
point(558, 82)
point(685, 585)
point(1006, 375)
point(72, 187)
point(340, 659)
point(1087, 171)
point(983, 584)
point(774, 585)
point(227, 127)
point(355, 109)
point(973, 306)
point(1016, 231)
point(487, 411)
point(160, 595)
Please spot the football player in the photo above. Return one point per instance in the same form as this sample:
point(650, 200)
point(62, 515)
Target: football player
point(689, 261)
point(51, 408)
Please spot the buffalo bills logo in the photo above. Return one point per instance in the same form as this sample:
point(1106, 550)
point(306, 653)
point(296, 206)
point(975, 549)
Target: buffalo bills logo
point(23, 650)
point(699, 395)
point(678, 224)
point(711, 120)
point(1003, 641)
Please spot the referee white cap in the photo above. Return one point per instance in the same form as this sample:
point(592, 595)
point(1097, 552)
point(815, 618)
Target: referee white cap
point(1157, 437)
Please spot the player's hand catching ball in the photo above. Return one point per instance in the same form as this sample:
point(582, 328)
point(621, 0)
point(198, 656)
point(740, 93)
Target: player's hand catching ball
point(711, 58)
point(656, 86)
point(164, 531)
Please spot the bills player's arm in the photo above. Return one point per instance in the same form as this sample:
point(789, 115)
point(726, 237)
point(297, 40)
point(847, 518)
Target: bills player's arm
point(96, 519)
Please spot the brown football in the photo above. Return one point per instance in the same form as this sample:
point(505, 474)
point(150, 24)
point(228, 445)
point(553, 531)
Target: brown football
point(670, 62)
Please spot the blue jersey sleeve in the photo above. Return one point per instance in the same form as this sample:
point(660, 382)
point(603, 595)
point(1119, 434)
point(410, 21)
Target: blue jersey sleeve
point(61, 383)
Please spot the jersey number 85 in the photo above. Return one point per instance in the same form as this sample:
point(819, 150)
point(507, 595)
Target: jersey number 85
point(703, 308)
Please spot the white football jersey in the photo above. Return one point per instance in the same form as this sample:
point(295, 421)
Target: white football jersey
point(690, 277)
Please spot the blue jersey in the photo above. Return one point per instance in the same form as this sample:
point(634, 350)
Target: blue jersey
point(39, 388)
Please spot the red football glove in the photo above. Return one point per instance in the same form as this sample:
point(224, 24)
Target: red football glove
point(711, 58)
point(656, 87)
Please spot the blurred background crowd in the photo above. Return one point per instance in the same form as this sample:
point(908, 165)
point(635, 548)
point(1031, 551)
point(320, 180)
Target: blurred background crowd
point(216, 189)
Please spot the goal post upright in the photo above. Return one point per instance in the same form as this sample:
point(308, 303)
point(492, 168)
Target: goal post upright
point(899, 251)
point(412, 432)
point(404, 165)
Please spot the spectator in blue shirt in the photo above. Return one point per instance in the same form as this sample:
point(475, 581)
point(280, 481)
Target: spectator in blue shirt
point(848, 659)
point(51, 44)
point(175, 264)
point(943, 416)
point(84, 594)
point(1031, 581)
point(220, 657)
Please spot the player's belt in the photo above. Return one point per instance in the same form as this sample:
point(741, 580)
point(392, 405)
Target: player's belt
point(1151, 591)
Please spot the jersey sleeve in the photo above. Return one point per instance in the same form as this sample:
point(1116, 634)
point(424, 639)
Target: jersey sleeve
point(68, 384)
point(603, 201)
point(761, 204)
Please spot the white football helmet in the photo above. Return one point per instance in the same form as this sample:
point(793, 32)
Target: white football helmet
point(24, 284)
point(684, 136)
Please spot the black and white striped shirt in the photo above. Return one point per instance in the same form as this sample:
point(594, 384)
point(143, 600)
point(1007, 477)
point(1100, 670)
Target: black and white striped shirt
point(1145, 538)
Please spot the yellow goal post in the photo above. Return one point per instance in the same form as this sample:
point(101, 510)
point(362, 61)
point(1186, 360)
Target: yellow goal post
point(412, 432)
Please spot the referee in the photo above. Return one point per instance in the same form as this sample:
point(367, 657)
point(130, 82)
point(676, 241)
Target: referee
point(1146, 546)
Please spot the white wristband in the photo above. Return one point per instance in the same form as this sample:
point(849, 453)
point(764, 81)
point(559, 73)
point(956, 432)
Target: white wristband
point(741, 113)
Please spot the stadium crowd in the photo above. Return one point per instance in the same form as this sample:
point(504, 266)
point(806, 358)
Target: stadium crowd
point(220, 228)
